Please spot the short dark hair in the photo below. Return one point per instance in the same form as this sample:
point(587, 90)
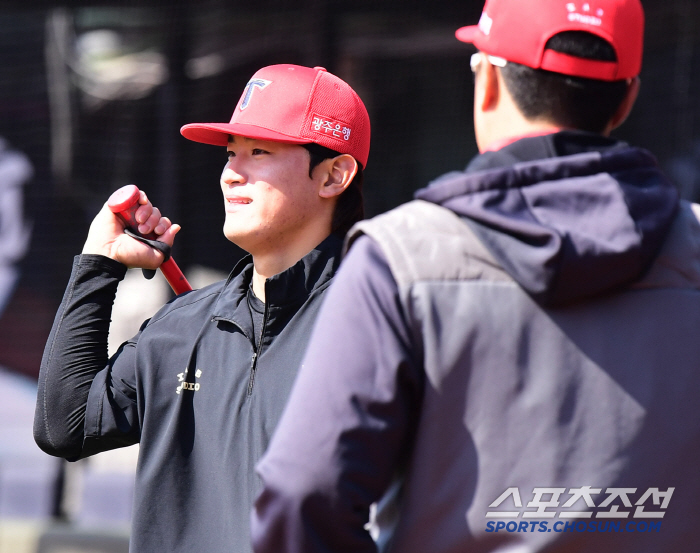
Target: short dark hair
point(350, 206)
point(573, 102)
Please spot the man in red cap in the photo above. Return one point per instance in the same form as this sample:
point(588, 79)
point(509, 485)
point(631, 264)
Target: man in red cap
point(202, 385)
point(519, 362)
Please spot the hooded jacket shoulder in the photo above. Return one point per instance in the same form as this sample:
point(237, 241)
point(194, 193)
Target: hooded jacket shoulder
point(423, 241)
point(569, 227)
point(564, 228)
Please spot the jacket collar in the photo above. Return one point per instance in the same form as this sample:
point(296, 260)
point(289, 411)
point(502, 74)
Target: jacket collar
point(289, 288)
point(532, 148)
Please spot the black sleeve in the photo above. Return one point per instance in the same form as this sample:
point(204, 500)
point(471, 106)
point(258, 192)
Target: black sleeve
point(75, 353)
point(350, 420)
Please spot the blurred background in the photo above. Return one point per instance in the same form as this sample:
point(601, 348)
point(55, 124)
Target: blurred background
point(92, 96)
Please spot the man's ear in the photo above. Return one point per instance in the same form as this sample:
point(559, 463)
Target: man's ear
point(626, 106)
point(340, 171)
point(487, 87)
point(487, 101)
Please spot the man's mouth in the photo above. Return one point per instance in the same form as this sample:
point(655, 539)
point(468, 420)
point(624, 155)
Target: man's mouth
point(238, 200)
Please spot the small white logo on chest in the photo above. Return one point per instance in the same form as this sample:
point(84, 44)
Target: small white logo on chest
point(193, 386)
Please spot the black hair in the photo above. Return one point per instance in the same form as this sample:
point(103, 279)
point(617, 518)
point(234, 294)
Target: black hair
point(572, 102)
point(349, 208)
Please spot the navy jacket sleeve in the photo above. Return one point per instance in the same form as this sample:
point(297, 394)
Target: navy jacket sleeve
point(349, 421)
point(75, 362)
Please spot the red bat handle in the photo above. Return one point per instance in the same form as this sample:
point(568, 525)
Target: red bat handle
point(124, 203)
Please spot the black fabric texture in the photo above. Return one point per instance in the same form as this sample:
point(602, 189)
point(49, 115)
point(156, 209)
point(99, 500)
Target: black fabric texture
point(81, 327)
point(257, 314)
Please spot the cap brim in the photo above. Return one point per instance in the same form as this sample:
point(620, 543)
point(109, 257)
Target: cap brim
point(217, 134)
point(467, 34)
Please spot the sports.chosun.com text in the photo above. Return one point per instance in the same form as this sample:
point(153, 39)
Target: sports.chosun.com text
point(574, 526)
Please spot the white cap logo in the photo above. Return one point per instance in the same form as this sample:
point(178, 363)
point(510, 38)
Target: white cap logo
point(586, 18)
point(250, 88)
point(485, 23)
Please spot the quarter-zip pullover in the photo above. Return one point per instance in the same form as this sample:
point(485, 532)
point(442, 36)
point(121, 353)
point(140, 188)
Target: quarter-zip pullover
point(196, 387)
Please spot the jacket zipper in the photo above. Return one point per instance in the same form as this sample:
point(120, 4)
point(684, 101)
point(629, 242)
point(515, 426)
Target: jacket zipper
point(256, 354)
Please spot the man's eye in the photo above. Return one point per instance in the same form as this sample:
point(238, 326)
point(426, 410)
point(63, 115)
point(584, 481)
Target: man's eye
point(259, 151)
point(230, 154)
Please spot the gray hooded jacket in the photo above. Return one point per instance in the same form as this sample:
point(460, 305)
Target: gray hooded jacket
point(518, 369)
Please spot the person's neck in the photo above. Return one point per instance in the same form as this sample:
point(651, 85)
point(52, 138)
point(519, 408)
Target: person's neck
point(270, 263)
point(506, 140)
point(501, 122)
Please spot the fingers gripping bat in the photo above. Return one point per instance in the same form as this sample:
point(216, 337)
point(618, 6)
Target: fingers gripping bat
point(124, 203)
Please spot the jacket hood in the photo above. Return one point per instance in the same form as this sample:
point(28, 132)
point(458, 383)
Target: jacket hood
point(565, 227)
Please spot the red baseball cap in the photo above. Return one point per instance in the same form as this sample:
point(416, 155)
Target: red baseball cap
point(296, 105)
point(518, 30)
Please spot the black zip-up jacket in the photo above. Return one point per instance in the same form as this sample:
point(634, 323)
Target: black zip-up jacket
point(191, 387)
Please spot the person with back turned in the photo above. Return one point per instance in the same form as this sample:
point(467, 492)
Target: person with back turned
point(519, 362)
